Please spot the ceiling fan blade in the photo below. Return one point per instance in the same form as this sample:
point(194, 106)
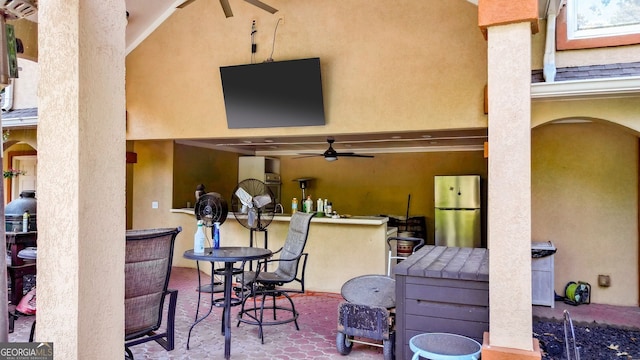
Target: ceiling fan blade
point(307, 156)
point(355, 155)
point(262, 6)
point(226, 8)
point(185, 4)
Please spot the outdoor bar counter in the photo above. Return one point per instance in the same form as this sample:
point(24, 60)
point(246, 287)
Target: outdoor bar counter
point(339, 249)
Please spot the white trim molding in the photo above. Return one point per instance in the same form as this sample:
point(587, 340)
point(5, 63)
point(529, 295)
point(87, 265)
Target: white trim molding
point(581, 89)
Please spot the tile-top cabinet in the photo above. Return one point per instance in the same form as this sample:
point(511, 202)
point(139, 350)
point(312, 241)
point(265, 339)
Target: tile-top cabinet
point(441, 289)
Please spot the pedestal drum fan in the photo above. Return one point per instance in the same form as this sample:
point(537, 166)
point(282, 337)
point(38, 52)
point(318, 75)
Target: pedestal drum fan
point(211, 208)
point(252, 203)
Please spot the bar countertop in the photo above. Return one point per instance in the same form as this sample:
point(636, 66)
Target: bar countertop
point(351, 220)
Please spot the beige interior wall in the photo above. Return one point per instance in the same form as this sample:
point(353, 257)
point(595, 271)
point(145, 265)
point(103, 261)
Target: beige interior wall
point(585, 200)
point(355, 186)
point(152, 182)
point(360, 186)
point(410, 65)
point(216, 170)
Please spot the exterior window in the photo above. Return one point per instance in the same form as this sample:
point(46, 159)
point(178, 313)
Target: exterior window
point(595, 18)
point(598, 23)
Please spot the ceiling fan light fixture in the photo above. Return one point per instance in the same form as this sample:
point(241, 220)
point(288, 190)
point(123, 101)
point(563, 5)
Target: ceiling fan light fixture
point(331, 158)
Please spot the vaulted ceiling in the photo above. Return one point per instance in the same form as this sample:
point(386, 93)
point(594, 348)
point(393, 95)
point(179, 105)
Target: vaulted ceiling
point(146, 15)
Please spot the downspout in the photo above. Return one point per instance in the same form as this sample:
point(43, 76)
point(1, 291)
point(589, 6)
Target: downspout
point(7, 101)
point(549, 68)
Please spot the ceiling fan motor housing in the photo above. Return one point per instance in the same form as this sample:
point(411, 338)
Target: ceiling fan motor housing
point(19, 8)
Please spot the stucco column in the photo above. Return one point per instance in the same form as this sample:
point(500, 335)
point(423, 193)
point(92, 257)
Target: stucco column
point(81, 178)
point(508, 26)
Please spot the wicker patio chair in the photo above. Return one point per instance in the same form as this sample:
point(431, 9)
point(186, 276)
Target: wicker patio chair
point(148, 258)
point(264, 283)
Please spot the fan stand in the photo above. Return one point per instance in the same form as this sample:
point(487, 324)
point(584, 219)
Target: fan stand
point(218, 286)
point(266, 241)
point(214, 208)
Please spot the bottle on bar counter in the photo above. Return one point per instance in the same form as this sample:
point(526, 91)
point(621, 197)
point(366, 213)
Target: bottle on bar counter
point(294, 205)
point(308, 204)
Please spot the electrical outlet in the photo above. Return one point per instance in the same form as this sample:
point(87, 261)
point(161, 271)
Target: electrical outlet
point(604, 280)
point(154, 204)
point(281, 19)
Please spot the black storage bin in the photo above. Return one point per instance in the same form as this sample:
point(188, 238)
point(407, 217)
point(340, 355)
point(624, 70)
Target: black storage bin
point(441, 289)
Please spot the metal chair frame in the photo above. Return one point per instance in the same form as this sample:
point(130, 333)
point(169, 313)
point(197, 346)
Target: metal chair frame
point(263, 284)
point(417, 244)
point(166, 339)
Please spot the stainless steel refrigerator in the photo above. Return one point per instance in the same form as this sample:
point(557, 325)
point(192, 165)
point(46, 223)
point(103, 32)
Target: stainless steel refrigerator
point(457, 211)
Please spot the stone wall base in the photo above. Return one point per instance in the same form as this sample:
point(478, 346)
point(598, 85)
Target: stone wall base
point(502, 353)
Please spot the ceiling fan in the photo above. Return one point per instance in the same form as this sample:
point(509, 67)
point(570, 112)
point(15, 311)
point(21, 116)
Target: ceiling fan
point(227, 8)
point(331, 155)
point(16, 9)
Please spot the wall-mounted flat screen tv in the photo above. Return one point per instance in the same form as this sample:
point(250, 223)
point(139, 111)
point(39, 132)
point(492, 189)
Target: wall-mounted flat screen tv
point(273, 94)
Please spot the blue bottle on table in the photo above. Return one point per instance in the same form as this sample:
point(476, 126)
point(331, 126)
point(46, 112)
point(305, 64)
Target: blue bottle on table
point(216, 235)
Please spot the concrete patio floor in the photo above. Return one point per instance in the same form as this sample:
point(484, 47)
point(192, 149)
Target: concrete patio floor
point(318, 323)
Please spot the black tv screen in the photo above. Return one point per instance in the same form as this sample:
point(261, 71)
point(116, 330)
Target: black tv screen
point(273, 94)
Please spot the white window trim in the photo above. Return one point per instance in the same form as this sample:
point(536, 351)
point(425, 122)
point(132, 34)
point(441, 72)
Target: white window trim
point(573, 33)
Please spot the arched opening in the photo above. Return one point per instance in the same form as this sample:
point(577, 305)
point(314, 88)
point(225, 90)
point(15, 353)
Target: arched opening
point(585, 199)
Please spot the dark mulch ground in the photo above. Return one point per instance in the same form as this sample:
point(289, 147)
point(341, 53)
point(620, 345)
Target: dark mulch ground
point(594, 341)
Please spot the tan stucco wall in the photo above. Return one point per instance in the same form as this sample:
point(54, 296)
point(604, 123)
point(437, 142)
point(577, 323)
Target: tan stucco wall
point(81, 183)
point(571, 58)
point(585, 200)
point(622, 111)
point(414, 65)
point(509, 188)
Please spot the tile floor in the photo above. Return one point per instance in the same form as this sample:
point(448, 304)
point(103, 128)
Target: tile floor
point(316, 338)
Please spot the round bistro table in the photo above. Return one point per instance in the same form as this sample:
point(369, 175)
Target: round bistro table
point(228, 255)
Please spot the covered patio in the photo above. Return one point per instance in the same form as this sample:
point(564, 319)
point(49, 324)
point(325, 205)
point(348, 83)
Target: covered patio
point(318, 323)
